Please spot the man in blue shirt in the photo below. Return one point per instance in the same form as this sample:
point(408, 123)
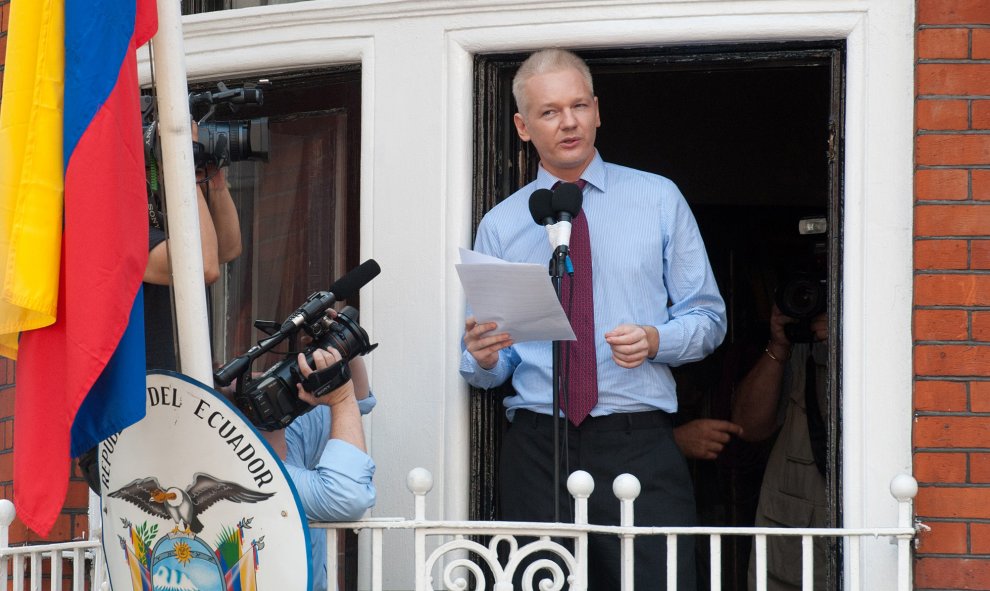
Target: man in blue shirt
point(655, 304)
point(325, 455)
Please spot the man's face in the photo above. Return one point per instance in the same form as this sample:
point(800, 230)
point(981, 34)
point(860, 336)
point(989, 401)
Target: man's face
point(561, 119)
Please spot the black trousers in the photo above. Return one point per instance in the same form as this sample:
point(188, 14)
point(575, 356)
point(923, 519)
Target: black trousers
point(641, 444)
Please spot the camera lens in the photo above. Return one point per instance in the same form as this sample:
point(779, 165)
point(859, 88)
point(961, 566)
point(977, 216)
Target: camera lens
point(802, 297)
point(233, 141)
point(347, 336)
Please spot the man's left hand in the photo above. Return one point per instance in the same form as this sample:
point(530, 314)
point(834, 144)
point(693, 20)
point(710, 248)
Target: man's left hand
point(632, 344)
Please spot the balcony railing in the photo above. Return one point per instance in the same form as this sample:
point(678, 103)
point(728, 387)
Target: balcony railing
point(447, 554)
point(35, 563)
point(454, 554)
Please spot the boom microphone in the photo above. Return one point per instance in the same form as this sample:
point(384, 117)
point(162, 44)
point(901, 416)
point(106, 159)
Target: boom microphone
point(318, 303)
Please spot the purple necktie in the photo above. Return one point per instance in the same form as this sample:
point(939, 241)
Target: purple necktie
point(580, 363)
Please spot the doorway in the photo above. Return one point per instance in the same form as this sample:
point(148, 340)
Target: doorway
point(751, 134)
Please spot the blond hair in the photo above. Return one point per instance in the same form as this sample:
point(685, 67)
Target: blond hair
point(543, 62)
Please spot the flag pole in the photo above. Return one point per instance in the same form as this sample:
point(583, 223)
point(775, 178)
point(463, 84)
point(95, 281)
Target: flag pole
point(184, 245)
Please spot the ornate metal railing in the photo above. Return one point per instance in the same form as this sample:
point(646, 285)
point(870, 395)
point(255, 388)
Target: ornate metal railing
point(454, 554)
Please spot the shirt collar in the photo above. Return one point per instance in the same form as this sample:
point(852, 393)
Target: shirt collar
point(594, 174)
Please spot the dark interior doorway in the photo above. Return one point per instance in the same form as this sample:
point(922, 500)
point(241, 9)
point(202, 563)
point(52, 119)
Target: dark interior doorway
point(752, 136)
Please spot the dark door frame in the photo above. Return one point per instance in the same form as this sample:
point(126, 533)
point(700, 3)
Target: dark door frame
point(502, 164)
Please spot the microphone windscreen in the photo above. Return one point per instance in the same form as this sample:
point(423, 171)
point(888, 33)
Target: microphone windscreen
point(539, 205)
point(567, 197)
point(355, 279)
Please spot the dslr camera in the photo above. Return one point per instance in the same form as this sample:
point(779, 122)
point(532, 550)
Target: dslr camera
point(220, 142)
point(803, 294)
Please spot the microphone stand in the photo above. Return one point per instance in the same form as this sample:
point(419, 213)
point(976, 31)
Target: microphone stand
point(557, 268)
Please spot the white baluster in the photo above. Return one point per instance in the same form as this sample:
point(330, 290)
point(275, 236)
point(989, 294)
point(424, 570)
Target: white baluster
point(626, 488)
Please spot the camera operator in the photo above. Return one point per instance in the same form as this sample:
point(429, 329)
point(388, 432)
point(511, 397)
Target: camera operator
point(220, 235)
point(785, 391)
point(324, 453)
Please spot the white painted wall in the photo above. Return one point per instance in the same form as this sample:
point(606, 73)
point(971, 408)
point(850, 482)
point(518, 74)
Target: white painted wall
point(416, 58)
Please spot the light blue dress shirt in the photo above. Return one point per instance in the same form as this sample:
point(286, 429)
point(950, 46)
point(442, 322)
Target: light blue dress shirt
point(333, 478)
point(649, 267)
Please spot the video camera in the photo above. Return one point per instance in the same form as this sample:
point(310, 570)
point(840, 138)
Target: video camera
point(803, 294)
point(271, 401)
point(220, 142)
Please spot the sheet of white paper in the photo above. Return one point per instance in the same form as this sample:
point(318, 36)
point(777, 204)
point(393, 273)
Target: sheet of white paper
point(518, 297)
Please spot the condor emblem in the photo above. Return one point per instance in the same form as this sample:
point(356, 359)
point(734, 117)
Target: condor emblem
point(195, 500)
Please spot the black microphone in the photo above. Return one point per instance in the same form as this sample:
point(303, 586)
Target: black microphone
point(540, 208)
point(566, 205)
point(318, 303)
point(566, 202)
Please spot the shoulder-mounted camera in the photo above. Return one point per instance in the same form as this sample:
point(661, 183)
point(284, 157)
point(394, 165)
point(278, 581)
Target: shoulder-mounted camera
point(272, 401)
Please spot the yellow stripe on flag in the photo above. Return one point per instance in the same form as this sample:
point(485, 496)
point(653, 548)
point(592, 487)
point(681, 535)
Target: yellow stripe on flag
point(31, 168)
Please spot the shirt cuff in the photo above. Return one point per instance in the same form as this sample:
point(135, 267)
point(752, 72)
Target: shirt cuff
point(476, 375)
point(369, 403)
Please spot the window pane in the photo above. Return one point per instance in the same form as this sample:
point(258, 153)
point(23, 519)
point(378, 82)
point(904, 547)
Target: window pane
point(298, 211)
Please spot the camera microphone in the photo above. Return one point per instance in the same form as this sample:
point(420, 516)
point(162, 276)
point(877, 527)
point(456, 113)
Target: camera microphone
point(318, 303)
point(245, 95)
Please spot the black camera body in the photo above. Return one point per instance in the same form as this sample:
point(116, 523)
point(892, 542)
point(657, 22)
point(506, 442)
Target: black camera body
point(272, 401)
point(803, 294)
point(220, 142)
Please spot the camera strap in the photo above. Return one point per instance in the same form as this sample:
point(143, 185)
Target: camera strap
point(322, 381)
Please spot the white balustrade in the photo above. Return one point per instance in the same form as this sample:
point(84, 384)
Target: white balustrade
point(453, 540)
point(447, 553)
point(85, 558)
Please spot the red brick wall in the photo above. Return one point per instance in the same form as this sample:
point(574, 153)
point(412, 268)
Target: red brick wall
point(952, 293)
point(73, 522)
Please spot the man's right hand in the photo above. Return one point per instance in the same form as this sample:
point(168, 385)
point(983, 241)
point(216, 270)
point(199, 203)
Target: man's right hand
point(704, 439)
point(482, 345)
point(322, 359)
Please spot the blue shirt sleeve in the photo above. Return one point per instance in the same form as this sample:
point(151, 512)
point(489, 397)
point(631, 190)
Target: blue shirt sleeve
point(332, 477)
point(697, 320)
point(368, 404)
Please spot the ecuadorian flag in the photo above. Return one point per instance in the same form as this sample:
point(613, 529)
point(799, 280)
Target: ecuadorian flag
point(73, 235)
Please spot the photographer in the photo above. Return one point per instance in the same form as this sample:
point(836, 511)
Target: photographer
point(325, 455)
point(785, 391)
point(220, 234)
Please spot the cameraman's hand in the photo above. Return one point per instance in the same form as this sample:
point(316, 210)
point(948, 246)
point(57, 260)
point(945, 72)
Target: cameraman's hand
point(323, 359)
point(345, 417)
point(779, 345)
point(215, 179)
point(819, 327)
